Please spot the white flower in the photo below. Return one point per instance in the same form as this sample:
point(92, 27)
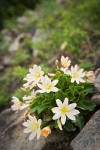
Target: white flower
point(32, 126)
point(47, 85)
point(18, 105)
point(64, 110)
point(33, 77)
point(30, 97)
point(65, 62)
point(65, 70)
point(76, 74)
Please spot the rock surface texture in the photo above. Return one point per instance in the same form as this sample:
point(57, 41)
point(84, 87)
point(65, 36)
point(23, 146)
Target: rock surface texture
point(96, 96)
point(89, 137)
point(13, 138)
point(11, 133)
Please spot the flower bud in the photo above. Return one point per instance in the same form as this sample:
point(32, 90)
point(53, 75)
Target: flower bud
point(46, 131)
point(59, 124)
point(90, 74)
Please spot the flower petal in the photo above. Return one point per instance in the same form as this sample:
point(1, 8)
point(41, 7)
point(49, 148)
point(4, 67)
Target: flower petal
point(65, 101)
point(38, 134)
point(27, 130)
point(71, 106)
point(32, 135)
point(81, 80)
point(55, 110)
point(56, 116)
point(71, 117)
point(39, 121)
point(77, 80)
point(54, 82)
point(72, 80)
point(74, 112)
point(59, 103)
point(26, 124)
point(63, 119)
point(54, 89)
point(40, 86)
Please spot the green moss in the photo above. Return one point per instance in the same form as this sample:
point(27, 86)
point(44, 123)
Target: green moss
point(21, 57)
point(51, 24)
point(20, 72)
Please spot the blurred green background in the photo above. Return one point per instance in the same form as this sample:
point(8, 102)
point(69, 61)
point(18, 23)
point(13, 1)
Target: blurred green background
point(40, 31)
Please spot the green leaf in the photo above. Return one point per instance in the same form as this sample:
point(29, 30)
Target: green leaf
point(35, 108)
point(88, 88)
point(69, 126)
point(42, 108)
point(79, 121)
point(60, 95)
point(49, 123)
point(70, 94)
point(62, 80)
point(81, 96)
point(36, 100)
point(86, 105)
point(56, 76)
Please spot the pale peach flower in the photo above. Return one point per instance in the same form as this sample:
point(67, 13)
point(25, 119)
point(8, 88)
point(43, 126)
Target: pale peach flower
point(46, 131)
point(90, 76)
point(65, 62)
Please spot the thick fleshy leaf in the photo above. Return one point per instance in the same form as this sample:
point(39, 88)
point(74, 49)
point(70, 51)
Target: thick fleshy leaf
point(62, 80)
point(86, 105)
point(69, 126)
point(79, 121)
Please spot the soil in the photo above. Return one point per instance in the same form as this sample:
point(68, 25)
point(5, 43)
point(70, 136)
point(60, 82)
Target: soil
point(63, 144)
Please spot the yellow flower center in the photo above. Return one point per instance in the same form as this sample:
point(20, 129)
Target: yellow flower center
point(37, 75)
point(20, 103)
point(64, 110)
point(35, 126)
point(75, 75)
point(48, 86)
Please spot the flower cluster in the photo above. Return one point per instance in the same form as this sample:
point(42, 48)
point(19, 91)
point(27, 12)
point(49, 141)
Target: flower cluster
point(57, 100)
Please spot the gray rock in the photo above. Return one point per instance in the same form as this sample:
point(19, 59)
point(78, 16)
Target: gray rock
point(89, 137)
point(11, 133)
point(97, 82)
point(96, 98)
point(7, 60)
point(97, 72)
point(13, 138)
point(1, 68)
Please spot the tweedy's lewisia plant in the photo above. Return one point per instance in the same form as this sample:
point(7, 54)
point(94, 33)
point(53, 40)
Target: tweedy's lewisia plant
point(56, 101)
